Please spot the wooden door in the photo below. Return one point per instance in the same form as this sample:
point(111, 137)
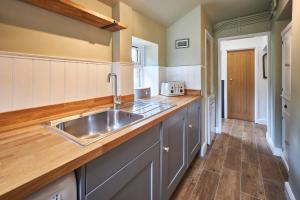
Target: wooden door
point(240, 76)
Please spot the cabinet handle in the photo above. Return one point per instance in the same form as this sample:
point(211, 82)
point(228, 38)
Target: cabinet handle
point(285, 106)
point(166, 149)
point(190, 126)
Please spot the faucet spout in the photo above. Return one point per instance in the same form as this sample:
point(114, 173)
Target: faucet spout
point(116, 99)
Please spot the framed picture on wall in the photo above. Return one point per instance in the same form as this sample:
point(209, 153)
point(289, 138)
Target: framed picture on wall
point(182, 43)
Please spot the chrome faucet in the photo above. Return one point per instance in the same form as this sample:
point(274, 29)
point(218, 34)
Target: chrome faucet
point(117, 100)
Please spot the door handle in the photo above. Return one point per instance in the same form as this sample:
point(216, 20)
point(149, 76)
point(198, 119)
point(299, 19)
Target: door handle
point(285, 106)
point(166, 149)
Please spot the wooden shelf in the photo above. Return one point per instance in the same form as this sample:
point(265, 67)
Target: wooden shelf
point(79, 12)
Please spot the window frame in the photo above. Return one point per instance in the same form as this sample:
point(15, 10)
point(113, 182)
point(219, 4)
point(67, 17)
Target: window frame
point(139, 65)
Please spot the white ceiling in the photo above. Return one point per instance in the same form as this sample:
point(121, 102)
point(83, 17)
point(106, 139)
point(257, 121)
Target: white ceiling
point(167, 12)
point(163, 11)
point(219, 10)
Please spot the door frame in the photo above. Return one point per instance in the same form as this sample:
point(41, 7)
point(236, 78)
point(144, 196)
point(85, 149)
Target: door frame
point(285, 114)
point(204, 127)
point(256, 54)
point(219, 100)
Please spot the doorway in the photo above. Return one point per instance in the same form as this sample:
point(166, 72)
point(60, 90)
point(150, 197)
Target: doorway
point(260, 43)
point(240, 76)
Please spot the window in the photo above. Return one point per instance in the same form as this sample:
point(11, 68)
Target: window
point(137, 56)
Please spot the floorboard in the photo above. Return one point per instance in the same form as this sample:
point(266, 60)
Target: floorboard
point(239, 165)
point(229, 185)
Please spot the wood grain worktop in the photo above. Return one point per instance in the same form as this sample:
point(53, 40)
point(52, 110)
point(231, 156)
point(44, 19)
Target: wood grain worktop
point(31, 157)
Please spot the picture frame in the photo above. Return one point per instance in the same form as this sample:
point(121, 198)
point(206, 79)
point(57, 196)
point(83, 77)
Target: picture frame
point(264, 59)
point(182, 43)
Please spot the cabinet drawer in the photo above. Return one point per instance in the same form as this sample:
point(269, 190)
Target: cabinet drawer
point(102, 168)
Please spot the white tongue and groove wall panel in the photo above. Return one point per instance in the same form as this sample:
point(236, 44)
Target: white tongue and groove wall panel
point(124, 71)
point(190, 75)
point(28, 81)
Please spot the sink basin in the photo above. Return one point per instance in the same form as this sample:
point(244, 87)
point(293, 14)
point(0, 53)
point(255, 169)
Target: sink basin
point(90, 127)
point(96, 126)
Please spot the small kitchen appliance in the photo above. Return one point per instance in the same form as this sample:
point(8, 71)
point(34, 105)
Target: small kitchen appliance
point(172, 88)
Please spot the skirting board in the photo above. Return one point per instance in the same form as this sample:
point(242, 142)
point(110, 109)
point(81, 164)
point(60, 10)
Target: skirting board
point(203, 149)
point(275, 150)
point(261, 121)
point(288, 191)
point(285, 163)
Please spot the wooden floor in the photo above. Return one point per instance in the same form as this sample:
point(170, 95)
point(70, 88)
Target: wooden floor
point(239, 165)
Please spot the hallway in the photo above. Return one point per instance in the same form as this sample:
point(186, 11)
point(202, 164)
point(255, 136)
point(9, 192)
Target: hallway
point(239, 165)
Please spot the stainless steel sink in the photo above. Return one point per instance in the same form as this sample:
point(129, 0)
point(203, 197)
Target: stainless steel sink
point(90, 127)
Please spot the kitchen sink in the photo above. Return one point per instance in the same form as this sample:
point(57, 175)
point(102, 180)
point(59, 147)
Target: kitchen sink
point(90, 127)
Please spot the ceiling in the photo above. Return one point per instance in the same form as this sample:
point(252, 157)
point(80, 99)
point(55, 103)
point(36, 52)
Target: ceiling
point(163, 11)
point(219, 10)
point(167, 12)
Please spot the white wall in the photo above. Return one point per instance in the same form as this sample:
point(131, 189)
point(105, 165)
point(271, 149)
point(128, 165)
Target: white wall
point(190, 75)
point(124, 73)
point(261, 85)
point(151, 79)
point(28, 81)
point(189, 26)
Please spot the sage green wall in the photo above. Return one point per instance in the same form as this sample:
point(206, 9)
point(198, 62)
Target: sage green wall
point(189, 26)
point(276, 81)
point(152, 31)
point(28, 29)
point(122, 39)
point(206, 24)
point(277, 26)
point(294, 149)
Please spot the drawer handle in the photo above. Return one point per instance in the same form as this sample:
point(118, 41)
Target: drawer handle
point(190, 126)
point(166, 149)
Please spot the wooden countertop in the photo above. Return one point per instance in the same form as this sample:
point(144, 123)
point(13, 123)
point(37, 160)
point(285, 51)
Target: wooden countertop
point(32, 157)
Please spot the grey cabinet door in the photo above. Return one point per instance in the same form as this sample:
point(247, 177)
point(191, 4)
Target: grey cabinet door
point(193, 130)
point(173, 153)
point(139, 179)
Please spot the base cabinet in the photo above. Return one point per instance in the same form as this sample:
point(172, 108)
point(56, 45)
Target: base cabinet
point(130, 171)
point(139, 179)
point(173, 154)
point(149, 166)
point(193, 131)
